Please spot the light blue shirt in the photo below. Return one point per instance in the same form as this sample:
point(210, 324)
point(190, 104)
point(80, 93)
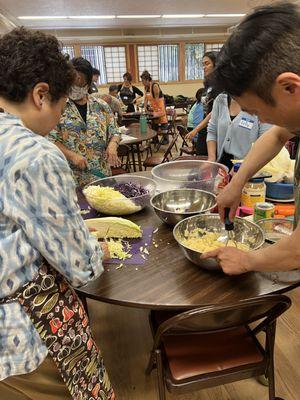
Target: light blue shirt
point(39, 218)
point(234, 137)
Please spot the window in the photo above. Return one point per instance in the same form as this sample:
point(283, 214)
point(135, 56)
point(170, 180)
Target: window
point(213, 46)
point(95, 55)
point(111, 61)
point(148, 60)
point(69, 50)
point(115, 63)
point(193, 61)
point(161, 61)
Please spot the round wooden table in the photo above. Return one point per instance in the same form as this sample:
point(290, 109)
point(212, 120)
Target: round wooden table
point(168, 280)
point(134, 130)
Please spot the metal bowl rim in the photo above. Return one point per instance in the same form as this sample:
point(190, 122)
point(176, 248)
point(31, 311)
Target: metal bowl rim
point(188, 161)
point(125, 175)
point(187, 212)
point(214, 216)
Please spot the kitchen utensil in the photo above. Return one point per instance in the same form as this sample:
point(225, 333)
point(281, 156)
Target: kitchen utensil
point(97, 173)
point(246, 232)
point(175, 205)
point(229, 228)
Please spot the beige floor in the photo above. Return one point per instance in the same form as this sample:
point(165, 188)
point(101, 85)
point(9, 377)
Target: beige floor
point(124, 336)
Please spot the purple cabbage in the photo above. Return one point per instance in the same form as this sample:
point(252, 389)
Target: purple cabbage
point(129, 190)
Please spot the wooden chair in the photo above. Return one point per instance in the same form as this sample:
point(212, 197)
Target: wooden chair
point(171, 128)
point(215, 345)
point(152, 161)
point(123, 154)
point(185, 148)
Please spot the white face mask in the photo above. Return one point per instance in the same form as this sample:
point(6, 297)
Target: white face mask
point(78, 92)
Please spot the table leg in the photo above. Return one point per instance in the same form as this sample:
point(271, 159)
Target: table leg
point(139, 157)
point(133, 158)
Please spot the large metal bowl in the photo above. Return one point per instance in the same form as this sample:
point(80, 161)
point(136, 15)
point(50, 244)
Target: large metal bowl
point(175, 205)
point(195, 174)
point(245, 232)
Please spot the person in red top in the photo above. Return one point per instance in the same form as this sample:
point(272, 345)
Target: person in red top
point(155, 99)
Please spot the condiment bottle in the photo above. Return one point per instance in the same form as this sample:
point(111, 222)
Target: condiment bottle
point(253, 192)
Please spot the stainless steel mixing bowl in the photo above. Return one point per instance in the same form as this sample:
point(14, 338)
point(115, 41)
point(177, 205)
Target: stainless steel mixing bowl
point(246, 232)
point(175, 205)
point(192, 174)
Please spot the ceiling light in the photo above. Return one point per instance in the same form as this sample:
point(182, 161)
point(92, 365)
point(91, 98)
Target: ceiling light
point(183, 16)
point(92, 17)
point(138, 16)
point(224, 15)
point(42, 17)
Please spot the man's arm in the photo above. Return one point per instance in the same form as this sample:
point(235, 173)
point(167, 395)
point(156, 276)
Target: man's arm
point(282, 256)
point(264, 150)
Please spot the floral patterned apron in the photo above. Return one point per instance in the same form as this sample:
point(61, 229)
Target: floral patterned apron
point(63, 325)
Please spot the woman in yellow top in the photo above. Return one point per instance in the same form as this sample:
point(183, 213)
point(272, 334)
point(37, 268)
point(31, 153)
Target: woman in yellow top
point(155, 99)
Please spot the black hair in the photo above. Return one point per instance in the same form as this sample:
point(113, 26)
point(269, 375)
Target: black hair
point(199, 94)
point(128, 76)
point(84, 66)
point(264, 45)
point(212, 55)
point(29, 57)
point(96, 71)
point(113, 88)
point(146, 75)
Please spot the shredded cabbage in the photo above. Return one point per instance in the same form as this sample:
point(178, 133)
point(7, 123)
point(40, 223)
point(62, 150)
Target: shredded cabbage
point(109, 201)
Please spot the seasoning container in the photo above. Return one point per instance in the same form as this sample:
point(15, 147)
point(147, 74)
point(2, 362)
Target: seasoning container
point(253, 192)
point(263, 211)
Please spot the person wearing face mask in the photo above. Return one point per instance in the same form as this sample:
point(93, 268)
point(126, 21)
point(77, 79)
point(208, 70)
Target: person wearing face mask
point(86, 132)
point(46, 249)
point(209, 62)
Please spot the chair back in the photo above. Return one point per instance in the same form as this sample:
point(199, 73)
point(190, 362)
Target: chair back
point(182, 132)
point(123, 150)
point(217, 318)
point(168, 152)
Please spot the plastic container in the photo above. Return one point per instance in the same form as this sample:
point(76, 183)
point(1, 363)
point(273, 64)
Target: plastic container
point(143, 124)
point(280, 190)
point(254, 192)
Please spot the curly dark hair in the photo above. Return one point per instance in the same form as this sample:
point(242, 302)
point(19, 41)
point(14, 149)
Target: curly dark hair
point(29, 57)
